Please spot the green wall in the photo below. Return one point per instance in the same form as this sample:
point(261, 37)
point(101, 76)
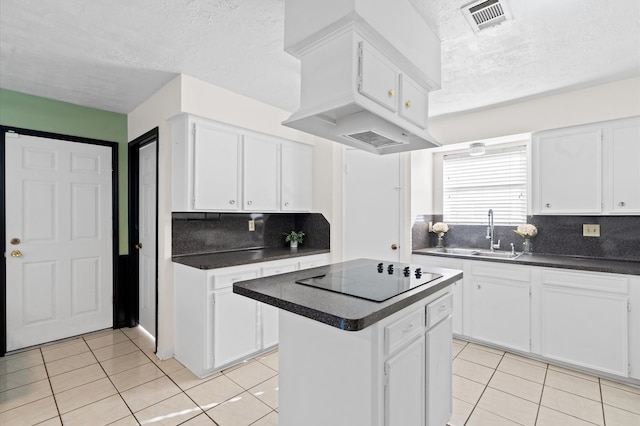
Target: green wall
point(36, 113)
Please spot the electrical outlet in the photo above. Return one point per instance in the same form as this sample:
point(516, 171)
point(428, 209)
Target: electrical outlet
point(430, 226)
point(590, 230)
point(252, 225)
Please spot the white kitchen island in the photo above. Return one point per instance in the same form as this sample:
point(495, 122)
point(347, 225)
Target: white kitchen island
point(346, 360)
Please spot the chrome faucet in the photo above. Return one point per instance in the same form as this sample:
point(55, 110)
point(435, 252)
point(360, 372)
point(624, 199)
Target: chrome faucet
point(489, 236)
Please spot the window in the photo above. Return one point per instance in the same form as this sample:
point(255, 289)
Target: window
point(496, 180)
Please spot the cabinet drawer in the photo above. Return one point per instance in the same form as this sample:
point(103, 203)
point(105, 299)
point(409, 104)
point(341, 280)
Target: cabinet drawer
point(510, 273)
point(403, 330)
point(226, 280)
point(439, 309)
point(278, 269)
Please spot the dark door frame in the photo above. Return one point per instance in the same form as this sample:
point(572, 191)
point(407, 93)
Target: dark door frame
point(118, 297)
point(134, 217)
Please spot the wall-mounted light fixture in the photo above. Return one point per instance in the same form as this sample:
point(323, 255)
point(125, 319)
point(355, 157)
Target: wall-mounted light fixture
point(476, 149)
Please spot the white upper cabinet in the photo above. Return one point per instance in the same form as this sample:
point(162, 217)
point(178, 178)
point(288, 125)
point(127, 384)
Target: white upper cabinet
point(378, 77)
point(413, 101)
point(624, 167)
point(216, 167)
point(568, 171)
point(221, 168)
point(590, 169)
point(296, 184)
point(386, 84)
point(260, 168)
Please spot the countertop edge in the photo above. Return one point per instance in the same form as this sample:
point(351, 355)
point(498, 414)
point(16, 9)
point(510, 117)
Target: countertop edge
point(624, 267)
point(243, 259)
point(372, 312)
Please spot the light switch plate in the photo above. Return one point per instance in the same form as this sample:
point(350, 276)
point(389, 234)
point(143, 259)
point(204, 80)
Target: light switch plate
point(590, 230)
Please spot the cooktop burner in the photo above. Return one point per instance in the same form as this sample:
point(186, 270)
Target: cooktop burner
point(373, 282)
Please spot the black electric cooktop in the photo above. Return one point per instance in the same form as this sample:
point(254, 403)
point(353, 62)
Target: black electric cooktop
point(376, 282)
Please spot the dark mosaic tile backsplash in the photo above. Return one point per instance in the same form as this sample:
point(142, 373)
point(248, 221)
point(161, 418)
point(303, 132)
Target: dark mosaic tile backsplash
point(195, 233)
point(557, 235)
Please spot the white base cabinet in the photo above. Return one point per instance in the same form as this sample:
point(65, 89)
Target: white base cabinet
point(396, 372)
point(499, 308)
point(586, 320)
point(214, 327)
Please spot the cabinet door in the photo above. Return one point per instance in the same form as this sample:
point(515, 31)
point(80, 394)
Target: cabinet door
point(624, 167)
point(585, 326)
point(413, 102)
point(500, 312)
point(297, 169)
point(568, 171)
point(404, 393)
point(216, 169)
point(439, 370)
point(378, 77)
point(260, 171)
point(235, 327)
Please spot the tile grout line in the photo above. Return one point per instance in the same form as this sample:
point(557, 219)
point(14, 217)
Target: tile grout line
point(113, 384)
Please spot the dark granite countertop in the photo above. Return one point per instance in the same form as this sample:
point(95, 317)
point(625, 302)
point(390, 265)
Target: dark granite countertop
point(336, 309)
point(243, 257)
point(552, 261)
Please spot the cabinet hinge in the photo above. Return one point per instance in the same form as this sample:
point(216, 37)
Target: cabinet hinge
point(213, 299)
point(193, 130)
point(629, 369)
point(628, 306)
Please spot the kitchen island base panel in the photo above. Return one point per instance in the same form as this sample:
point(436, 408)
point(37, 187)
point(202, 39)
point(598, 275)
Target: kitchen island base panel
point(326, 374)
point(330, 376)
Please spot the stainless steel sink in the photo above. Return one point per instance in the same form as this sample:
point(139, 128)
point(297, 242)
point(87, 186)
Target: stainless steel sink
point(460, 251)
point(478, 253)
point(496, 254)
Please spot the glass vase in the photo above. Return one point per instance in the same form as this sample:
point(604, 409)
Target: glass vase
point(440, 240)
point(527, 246)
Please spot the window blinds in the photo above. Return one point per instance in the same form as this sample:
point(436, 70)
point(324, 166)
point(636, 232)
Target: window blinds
point(496, 180)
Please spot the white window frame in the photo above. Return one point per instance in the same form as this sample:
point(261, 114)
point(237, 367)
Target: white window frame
point(475, 185)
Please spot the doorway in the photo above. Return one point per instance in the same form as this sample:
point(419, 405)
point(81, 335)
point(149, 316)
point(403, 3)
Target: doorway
point(143, 229)
point(59, 209)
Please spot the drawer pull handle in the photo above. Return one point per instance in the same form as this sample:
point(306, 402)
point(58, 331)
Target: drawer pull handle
point(442, 307)
point(391, 93)
point(408, 328)
point(408, 104)
point(621, 203)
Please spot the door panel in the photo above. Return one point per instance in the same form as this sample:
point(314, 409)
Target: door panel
point(59, 204)
point(147, 237)
point(372, 206)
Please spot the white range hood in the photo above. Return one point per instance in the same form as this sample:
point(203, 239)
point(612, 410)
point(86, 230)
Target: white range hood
point(367, 67)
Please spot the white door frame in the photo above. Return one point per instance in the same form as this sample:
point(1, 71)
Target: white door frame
point(134, 179)
point(114, 204)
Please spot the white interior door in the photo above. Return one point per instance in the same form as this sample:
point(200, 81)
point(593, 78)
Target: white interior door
point(147, 237)
point(372, 206)
point(59, 244)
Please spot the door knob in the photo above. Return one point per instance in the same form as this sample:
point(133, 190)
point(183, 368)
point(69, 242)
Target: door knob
point(138, 246)
point(14, 241)
point(16, 253)
point(394, 247)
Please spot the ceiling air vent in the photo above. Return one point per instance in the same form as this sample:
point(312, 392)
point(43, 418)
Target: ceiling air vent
point(486, 13)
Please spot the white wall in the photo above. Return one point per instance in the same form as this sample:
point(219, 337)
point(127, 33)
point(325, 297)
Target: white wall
point(186, 94)
point(152, 113)
point(598, 103)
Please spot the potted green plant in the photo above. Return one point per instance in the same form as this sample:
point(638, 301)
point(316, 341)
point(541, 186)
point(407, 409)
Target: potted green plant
point(293, 238)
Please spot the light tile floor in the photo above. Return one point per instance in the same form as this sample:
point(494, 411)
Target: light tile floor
point(112, 377)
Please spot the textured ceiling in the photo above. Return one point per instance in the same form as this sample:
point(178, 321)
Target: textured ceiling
point(114, 54)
